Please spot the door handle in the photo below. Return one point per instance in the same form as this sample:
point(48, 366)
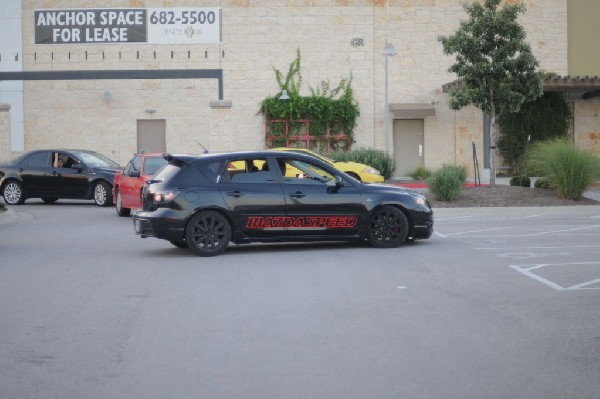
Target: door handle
point(235, 194)
point(297, 194)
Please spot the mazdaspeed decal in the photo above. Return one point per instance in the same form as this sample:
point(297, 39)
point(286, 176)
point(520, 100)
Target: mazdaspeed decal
point(301, 222)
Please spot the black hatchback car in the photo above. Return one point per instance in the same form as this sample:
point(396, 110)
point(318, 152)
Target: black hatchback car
point(58, 174)
point(205, 202)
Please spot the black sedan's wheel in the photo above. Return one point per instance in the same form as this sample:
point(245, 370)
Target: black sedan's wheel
point(13, 193)
point(103, 194)
point(208, 233)
point(388, 227)
point(49, 200)
point(119, 205)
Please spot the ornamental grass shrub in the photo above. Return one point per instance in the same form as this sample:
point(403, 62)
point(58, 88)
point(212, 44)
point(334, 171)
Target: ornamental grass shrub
point(420, 173)
point(377, 159)
point(568, 169)
point(445, 183)
point(522, 181)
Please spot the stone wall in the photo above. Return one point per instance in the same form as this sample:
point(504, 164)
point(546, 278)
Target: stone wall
point(5, 154)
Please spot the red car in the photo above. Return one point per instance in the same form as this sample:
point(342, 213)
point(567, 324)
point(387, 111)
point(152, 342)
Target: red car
point(128, 183)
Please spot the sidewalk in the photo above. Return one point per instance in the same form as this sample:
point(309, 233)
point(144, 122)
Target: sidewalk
point(593, 192)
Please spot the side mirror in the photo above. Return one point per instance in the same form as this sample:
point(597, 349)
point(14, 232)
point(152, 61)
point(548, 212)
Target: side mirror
point(336, 182)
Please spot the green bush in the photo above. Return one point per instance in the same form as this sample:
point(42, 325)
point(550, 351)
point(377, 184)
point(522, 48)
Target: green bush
point(522, 181)
point(369, 156)
point(445, 183)
point(420, 173)
point(568, 169)
point(542, 183)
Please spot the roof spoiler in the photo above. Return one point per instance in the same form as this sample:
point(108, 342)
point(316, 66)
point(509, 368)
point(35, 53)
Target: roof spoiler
point(178, 159)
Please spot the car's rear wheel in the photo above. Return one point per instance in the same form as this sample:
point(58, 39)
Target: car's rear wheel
point(388, 227)
point(208, 233)
point(49, 200)
point(103, 194)
point(13, 193)
point(119, 205)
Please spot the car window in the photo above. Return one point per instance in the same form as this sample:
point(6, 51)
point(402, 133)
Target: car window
point(248, 170)
point(37, 159)
point(196, 174)
point(95, 160)
point(297, 171)
point(153, 164)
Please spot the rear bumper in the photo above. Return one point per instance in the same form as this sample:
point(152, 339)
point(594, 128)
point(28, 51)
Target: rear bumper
point(165, 224)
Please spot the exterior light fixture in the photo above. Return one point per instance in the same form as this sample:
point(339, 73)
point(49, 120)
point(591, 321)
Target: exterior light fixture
point(107, 96)
point(284, 95)
point(388, 51)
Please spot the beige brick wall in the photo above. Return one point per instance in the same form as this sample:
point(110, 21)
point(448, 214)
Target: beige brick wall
point(587, 125)
point(257, 37)
point(5, 154)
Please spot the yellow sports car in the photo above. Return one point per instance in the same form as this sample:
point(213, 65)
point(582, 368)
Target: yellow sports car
point(359, 171)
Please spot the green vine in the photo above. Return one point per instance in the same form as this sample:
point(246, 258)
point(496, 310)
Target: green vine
point(330, 109)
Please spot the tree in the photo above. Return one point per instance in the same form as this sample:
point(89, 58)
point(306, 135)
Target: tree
point(494, 62)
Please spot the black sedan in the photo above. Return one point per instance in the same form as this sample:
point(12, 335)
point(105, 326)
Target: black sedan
point(58, 174)
point(208, 201)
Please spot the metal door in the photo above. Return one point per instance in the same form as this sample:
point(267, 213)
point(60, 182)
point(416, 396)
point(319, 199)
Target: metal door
point(409, 145)
point(151, 135)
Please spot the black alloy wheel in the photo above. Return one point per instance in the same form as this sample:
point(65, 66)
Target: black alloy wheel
point(388, 227)
point(208, 233)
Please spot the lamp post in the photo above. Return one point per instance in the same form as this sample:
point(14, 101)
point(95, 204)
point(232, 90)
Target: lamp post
point(388, 51)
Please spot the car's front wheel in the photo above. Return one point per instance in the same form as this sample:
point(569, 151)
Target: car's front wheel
point(121, 211)
point(103, 194)
point(13, 193)
point(208, 233)
point(388, 227)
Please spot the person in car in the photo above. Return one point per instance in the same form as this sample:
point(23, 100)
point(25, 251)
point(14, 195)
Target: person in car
point(58, 162)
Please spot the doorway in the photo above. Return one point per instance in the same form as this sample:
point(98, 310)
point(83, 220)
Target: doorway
point(151, 135)
point(409, 145)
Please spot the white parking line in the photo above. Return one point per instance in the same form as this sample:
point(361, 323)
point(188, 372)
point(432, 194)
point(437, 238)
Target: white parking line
point(527, 271)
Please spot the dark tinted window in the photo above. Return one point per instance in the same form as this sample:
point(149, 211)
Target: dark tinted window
point(199, 173)
point(167, 173)
point(38, 159)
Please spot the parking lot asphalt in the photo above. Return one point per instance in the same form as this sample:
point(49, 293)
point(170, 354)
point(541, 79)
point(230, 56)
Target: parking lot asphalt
point(499, 303)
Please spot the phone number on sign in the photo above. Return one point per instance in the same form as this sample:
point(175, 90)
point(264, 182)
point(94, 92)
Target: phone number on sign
point(183, 17)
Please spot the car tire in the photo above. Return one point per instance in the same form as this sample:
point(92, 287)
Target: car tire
point(119, 205)
point(49, 200)
point(388, 227)
point(103, 194)
point(208, 233)
point(13, 193)
point(179, 244)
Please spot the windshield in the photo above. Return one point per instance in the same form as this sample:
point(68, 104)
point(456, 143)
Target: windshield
point(95, 160)
point(315, 154)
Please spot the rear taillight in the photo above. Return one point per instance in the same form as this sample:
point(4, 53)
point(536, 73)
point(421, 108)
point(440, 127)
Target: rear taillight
point(163, 197)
